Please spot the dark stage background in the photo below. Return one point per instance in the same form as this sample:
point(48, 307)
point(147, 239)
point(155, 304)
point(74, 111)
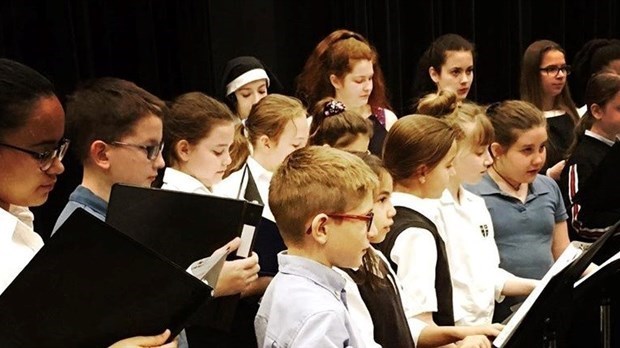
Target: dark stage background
point(172, 47)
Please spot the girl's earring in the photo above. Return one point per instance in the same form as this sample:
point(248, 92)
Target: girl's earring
point(422, 180)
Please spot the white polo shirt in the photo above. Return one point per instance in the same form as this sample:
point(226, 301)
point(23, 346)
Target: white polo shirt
point(18, 243)
point(477, 280)
point(415, 254)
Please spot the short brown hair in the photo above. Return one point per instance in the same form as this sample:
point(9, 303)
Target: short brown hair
point(314, 180)
point(416, 140)
point(107, 109)
point(191, 117)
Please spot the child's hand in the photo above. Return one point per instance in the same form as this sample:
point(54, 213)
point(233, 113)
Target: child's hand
point(237, 275)
point(146, 341)
point(478, 341)
point(555, 171)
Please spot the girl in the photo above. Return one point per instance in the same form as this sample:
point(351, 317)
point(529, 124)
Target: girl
point(543, 83)
point(346, 67)
point(596, 56)
point(198, 132)
point(334, 125)
point(597, 131)
point(447, 64)
point(477, 279)
point(529, 219)
point(275, 127)
point(374, 292)
point(31, 149)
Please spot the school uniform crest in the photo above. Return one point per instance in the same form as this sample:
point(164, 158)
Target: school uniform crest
point(484, 229)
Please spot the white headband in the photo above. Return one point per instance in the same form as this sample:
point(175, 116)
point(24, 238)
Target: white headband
point(247, 77)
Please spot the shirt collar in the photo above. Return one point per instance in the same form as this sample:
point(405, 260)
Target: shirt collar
point(86, 197)
point(258, 171)
point(599, 137)
point(184, 182)
point(310, 269)
point(425, 206)
point(488, 186)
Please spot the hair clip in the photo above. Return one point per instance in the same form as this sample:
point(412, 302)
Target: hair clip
point(333, 107)
point(491, 109)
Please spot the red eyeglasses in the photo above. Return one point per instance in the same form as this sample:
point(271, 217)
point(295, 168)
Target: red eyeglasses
point(368, 218)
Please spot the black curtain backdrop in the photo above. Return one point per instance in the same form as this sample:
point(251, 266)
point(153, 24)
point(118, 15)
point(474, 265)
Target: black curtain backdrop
point(171, 47)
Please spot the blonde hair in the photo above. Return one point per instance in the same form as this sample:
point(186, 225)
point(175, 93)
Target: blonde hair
point(314, 180)
point(416, 140)
point(268, 117)
point(469, 118)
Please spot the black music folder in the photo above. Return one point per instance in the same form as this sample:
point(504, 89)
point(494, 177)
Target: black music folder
point(91, 286)
point(544, 319)
point(183, 227)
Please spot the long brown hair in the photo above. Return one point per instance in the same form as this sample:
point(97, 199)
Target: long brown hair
point(336, 54)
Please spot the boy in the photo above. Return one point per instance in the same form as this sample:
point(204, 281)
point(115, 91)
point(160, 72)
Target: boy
point(116, 129)
point(322, 201)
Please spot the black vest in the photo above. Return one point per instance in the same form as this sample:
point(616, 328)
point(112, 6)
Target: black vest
point(406, 218)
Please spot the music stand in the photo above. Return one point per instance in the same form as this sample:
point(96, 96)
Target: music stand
point(545, 319)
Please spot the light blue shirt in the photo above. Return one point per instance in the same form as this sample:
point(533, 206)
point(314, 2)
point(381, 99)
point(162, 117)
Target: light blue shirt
point(83, 198)
point(305, 306)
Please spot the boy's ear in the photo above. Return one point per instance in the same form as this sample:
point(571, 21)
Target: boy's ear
point(496, 149)
point(319, 229)
point(98, 154)
point(183, 149)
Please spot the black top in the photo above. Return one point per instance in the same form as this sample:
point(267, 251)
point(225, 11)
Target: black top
point(404, 219)
point(587, 155)
point(386, 310)
point(561, 132)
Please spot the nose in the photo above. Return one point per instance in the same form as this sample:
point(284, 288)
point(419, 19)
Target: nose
point(373, 232)
point(56, 168)
point(488, 159)
point(368, 86)
point(227, 159)
point(255, 97)
point(391, 211)
point(159, 161)
point(539, 158)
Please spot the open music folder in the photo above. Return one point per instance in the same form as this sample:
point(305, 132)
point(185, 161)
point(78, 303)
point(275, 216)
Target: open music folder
point(91, 286)
point(186, 227)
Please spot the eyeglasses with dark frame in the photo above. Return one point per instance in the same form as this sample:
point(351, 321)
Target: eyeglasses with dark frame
point(368, 218)
point(554, 70)
point(46, 159)
point(152, 151)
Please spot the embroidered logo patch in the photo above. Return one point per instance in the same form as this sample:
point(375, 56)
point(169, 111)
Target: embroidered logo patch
point(484, 229)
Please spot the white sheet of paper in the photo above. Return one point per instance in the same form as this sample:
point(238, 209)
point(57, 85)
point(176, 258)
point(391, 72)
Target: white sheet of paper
point(610, 260)
point(209, 268)
point(247, 235)
point(573, 251)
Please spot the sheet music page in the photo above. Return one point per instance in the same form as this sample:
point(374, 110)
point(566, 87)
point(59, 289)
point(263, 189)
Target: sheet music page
point(610, 260)
point(573, 251)
point(209, 268)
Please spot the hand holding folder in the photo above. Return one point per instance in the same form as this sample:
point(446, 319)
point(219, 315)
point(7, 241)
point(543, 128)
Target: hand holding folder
point(91, 286)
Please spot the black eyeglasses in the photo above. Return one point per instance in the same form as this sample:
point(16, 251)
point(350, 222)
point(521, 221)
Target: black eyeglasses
point(152, 151)
point(46, 159)
point(554, 70)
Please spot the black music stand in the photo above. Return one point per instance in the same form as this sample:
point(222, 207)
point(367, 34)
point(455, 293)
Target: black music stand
point(547, 321)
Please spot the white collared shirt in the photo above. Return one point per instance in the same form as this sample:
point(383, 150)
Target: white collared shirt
point(175, 180)
point(229, 187)
point(18, 243)
point(415, 254)
point(477, 280)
